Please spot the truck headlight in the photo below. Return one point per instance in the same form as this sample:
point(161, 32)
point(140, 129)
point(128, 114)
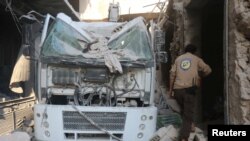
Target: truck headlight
point(143, 117)
point(47, 133)
point(139, 135)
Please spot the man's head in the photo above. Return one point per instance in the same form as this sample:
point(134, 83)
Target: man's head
point(190, 48)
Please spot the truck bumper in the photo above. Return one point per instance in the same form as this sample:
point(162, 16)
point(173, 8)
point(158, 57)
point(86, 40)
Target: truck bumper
point(64, 123)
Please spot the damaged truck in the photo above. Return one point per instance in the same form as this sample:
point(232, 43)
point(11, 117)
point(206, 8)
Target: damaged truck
point(94, 81)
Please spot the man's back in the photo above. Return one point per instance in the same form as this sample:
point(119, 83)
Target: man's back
point(186, 70)
point(185, 74)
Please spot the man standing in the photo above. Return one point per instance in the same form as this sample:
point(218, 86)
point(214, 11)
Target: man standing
point(185, 77)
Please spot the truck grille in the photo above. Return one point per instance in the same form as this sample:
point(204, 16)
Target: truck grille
point(111, 121)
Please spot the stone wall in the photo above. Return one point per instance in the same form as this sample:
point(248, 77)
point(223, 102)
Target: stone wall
point(187, 30)
point(177, 18)
point(187, 27)
point(239, 61)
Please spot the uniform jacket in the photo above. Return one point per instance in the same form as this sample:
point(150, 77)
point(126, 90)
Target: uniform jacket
point(187, 71)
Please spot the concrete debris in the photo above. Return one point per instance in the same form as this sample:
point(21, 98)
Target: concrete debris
point(16, 136)
point(29, 123)
point(164, 111)
point(178, 6)
point(112, 63)
point(197, 135)
point(28, 130)
point(28, 127)
point(164, 100)
point(20, 73)
point(168, 133)
point(173, 104)
point(158, 88)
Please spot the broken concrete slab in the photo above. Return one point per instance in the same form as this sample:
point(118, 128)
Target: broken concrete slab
point(173, 105)
point(198, 135)
point(28, 130)
point(169, 102)
point(169, 133)
point(29, 123)
point(16, 136)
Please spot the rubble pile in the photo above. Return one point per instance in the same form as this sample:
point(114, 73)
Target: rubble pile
point(25, 133)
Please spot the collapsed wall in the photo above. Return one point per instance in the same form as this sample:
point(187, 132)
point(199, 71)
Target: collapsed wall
point(239, 61)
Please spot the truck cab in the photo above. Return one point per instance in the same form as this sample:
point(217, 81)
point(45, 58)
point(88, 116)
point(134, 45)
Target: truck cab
point(95, 81)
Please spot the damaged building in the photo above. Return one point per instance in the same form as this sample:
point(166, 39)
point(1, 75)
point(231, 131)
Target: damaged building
point(219, 28)
point(16, 105)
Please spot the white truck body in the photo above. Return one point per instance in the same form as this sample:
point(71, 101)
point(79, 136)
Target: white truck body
point(96, 82)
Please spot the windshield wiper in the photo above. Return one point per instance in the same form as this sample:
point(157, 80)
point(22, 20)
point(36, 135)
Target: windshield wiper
point(142, 59)
point(133, 63)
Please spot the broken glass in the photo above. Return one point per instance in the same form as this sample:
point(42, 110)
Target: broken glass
point(132, 43)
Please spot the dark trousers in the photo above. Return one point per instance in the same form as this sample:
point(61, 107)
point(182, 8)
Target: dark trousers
point(186, 99)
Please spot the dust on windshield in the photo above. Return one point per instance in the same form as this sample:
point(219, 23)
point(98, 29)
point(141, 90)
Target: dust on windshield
point(65, 41)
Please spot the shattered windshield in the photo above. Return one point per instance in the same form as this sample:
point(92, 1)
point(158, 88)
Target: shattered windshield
point(129, 43)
